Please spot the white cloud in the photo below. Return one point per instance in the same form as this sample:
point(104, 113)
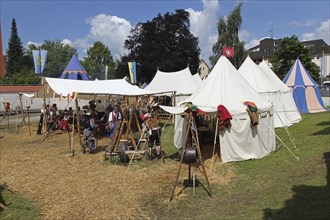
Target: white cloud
point(34, 43)
point(243, 35)
point(110, 30)
point(67, 41)
point(203, 24)
point(81, 42)
point(321, 32)
point(307, 23)
point(252, 43)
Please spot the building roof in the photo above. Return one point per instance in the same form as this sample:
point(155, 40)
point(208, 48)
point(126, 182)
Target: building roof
point(314, 43)
point(17, 89)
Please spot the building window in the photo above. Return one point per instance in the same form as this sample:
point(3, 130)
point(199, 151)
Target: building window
point(275, 49)
point(275, 43)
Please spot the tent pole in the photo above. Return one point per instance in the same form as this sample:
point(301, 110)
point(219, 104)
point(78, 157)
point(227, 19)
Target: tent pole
point(195, 136)
point(44, 112)
point(291, 138)
point(280, 140)
point(77, 115)
point(287, 131)
point(181, 160)
point(71, 141)
point(215, 140)
point(22, 110)
point(174, 104)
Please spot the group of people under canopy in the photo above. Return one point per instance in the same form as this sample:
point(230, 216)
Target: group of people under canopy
point(102, 118)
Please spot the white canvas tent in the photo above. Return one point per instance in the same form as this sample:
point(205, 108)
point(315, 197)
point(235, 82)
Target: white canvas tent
point(89, 90)
point(289, 106)
point(225, 86)
point(198, 79)
point(256, 77)
point(183, 84)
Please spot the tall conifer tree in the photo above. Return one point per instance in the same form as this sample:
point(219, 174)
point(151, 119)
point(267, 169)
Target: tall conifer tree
point(15, 51)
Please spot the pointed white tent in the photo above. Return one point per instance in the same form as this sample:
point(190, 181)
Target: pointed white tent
point(198, 79)
point(288, 103)
point(225, 86)
point(183, 83)
point(267, 89)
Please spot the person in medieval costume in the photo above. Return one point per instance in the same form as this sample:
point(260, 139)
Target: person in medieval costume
point(114, 117)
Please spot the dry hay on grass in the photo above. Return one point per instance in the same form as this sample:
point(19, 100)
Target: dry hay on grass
point(82, 187)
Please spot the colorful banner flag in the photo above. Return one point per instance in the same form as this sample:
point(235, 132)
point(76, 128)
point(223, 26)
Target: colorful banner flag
point(228, 51)
point(132, 71)
point(39, 58)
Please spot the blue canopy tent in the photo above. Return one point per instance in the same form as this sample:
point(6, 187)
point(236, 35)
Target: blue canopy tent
point(306, 92)
point(74, 70)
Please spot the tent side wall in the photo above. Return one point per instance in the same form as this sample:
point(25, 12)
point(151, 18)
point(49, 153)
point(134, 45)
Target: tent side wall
point(280, 117)
point(290, 107)
point(241, 142)
point(308, 99)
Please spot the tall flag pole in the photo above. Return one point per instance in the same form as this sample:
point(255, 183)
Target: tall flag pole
point(324, 66)
point(39, 58)
point(106, 72)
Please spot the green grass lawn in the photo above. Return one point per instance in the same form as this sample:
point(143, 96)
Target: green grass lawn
point(18, 207)
point(278, 186)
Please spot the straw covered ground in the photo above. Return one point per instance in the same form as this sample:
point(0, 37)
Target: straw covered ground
point(84, 187)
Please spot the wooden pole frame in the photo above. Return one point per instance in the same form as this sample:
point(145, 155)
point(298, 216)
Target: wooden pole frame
point(199, 154)
point(77, 115)
point(45, 108)
point(22, 109)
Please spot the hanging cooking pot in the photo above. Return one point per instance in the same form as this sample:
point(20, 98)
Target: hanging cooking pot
point(189, 156)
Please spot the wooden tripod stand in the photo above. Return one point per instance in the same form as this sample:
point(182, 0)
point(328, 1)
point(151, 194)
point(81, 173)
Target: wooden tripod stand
point(194, 134)
point(123, 130)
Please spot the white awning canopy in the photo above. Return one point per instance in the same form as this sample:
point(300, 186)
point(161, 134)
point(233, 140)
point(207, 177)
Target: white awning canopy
point(89, 89)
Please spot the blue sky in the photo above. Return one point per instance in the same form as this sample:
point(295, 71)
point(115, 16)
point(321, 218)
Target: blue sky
point(81, 23)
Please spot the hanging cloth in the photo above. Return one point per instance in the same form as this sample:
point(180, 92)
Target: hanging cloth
point(224, 117)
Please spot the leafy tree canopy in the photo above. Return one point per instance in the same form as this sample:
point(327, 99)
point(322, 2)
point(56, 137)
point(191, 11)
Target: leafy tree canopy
point(283, 59)
point(165, 42)
point(98, 57)
point(228, 36)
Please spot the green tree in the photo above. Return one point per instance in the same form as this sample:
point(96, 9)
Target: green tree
point(15, 51)
point(228, 36)
point(165, 42)
point(283, 59)
point(98, 57)
point(58, 56)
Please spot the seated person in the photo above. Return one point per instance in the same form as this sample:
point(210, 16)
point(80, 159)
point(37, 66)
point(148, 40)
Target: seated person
point(89, 121)
point(154, 135)
point(64, 123)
